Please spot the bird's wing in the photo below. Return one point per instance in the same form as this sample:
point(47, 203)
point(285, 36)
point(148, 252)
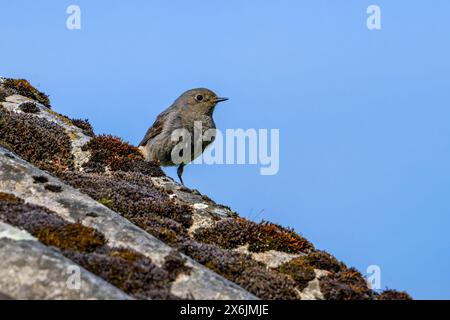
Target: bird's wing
point(155, 129)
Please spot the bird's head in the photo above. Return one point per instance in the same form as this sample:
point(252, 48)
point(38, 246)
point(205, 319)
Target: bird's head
point(199, 100)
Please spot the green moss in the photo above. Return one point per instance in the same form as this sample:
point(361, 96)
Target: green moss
point(24, 88)
point(106, 202)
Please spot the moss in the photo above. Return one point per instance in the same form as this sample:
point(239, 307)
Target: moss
point(106, 202)
point(126, 254)
point(323, 261)
point(24, 88)
point(126, 269)
point(131, 194)
point(129, 190)
point(41, 142)
point(267, 285)
point(133, 273)
point(111, 152)
point(269, 236)
point(9, 198)
point(75, 237)
point(233, 232)
point(346, 285)
point(2, 95)
point(175, 265)
point(40, 179)
point(85, 126)
point(241, 269)
point(92, 215)
point(300, 271)
point(29, 107)
point(389, 294)
point(53, 188)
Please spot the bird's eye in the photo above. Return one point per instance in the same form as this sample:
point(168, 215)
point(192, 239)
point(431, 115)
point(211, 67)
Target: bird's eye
point(199, 97)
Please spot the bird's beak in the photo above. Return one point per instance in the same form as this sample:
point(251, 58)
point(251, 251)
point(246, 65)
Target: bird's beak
point(221, 99)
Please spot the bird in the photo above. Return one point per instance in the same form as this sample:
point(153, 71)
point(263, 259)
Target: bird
point(193, 106)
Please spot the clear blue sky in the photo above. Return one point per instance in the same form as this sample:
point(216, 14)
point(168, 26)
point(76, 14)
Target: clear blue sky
point(364, 116)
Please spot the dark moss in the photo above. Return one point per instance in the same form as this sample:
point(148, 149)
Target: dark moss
point(29, 107)
point(267, 285)
point(346, 285)
point(175, 265)
point(389, 294)
point(3, 95)
point(111, 152)
point(40, 179)
point(9, 198)
point(323, 261)
point(227, 233)
point(242, 269)
point(126, 269)
point(92, 215)
point(130, 272)
point(43, 143)
point(75, 237)
point(299, 271)
point(131, 194)
point(233, 232)
point(24, 88)
point(165, 229)
point(269, 236)
point(53, 188)
point(85, 126)
point(27, 216)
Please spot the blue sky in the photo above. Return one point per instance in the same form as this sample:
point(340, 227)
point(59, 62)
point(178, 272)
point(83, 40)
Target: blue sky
point(363, 115)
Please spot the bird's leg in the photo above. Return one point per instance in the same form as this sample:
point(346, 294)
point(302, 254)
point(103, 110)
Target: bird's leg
point(180, 172)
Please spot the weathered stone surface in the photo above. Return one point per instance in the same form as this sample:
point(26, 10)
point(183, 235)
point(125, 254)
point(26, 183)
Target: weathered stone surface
point(30, 270)
point(16, 177)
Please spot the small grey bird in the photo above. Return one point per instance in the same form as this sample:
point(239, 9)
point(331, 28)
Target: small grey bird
point(196, 105)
